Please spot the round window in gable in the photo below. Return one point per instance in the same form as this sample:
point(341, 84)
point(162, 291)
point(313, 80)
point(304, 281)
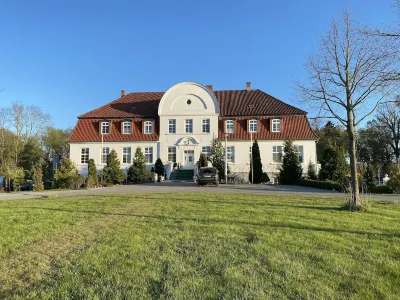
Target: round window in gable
point(189, 102)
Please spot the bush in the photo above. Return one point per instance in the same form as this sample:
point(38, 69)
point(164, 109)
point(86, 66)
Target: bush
point(290, 170)
point(394, 181)
point(382, 189)
point(137, 172)
point(92, 178)
point(256, 164)
point(67, 176)
point(264, 177)
point(18, 179)
point(325, 185)
point(112, 173)
point(159, 167)
point(311, 171)
point(38, 179)
point(202, 161)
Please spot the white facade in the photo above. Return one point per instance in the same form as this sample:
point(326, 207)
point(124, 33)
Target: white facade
point(188, 121)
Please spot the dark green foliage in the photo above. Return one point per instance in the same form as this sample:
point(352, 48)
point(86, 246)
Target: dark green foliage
point(311, 171)
point(394, 182)
point(264, 177)
point(31, 157)
point(67, 176)
point(325, 185)
point(369, 177)
point(290, 171)
point(37, 179)
point(112, 173)
point(159, 167)
point(137, 172)
point(256, 164)
point(333, 164)
point(92, 178)
point(330, 134)
point(202, 161)
point(18, 179)
point(217, 157)
point(152, 170)
point(381, 189)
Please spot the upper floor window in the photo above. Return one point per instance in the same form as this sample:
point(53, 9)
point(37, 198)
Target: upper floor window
point(172, 126)
point(148, 127)
point(277, 154)
point(300, 152)
point(206, 125)
point(189, 126)
point(207, 151)
point(127, 127)
point(126, 155)
point(148, 154)
point(229, 126)
point(105, 127)
point(104, 155)
point(253, 126)
point(230, 154)
point(276, 125)
point(172, 154)
point(84, 155)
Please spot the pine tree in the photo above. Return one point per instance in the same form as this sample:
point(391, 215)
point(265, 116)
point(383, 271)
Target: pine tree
point(290, 171)
point(159, 168)
point(38, 179)
point(202, 161)
point(67, 176)
point(311, 171)
point(369, 176)
point(333, 164)
point(18, 179)
point(217, 157)
point(92, 178)
point(112, 173)
point(137, 172)
point(256, 164)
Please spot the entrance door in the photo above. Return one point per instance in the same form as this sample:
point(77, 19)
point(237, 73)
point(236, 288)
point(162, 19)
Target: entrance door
point(188, 159)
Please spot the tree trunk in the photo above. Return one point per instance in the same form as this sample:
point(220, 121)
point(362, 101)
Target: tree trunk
point(355, 194)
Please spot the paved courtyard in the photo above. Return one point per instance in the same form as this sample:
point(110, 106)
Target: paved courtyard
point(187, 187)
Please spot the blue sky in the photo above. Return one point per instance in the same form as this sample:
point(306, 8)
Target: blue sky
point(70, 57)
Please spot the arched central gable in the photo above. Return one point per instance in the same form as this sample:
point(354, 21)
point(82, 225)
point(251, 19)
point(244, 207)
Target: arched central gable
point(188, 98)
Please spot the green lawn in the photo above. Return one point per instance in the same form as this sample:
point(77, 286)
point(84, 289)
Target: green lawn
point(198, 246)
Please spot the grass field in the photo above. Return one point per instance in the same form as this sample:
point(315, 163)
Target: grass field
point(198, 246)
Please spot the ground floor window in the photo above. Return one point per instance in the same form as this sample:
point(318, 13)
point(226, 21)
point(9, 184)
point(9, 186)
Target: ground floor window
point(300, 152)
point(207, 151)
point(148, 154)
point(104, 155)
point(126, 155)
point(172, 154)
point(277, 154)
point(230, 154)
point(84, 155)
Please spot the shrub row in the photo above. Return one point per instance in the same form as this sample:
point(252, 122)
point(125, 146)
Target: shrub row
point(325, 185)
point(382, 189)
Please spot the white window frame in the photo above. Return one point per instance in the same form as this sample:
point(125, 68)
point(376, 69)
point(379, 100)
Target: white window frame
point(104, 154)
point(84, 155)
point(148, 127)
point(172, 126)
point(230, 154)
point(126, 155)
point(277, 150)
point(253, 124)
point(229, 126)
point(300, 152)
point(276, 125)
point(148, 154)
point(105, 127)
point(172, 153)
point(189, 125)
point(207, 151)
point(206, 125)
point(127, 125)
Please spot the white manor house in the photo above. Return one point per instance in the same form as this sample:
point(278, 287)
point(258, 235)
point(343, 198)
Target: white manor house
point(179, 124)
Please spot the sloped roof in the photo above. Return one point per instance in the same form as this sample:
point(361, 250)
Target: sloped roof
point(232, 103)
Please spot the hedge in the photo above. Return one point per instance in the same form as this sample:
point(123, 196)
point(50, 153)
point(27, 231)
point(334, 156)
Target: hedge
point(381, 189)
point(325, 185)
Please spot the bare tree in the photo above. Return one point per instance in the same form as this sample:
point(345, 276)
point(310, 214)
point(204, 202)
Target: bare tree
point(349, 76)
point(393, 33)
point(388, 114)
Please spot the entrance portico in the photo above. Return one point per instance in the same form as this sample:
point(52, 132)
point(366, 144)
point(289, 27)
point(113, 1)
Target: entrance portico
point(188, 149)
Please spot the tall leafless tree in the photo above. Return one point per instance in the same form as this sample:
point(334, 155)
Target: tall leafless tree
point(350, 74)
point(388, 114)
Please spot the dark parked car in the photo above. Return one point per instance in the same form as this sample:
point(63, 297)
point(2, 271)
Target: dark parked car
point(207, 176)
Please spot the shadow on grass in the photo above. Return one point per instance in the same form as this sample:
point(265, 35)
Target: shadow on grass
point(224, 221)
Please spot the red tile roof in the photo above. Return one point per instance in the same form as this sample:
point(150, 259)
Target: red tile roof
point(233, 103)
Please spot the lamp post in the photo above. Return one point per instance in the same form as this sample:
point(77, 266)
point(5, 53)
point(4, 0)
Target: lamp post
point(251, 156)
point(226, 158)
point(101, 155)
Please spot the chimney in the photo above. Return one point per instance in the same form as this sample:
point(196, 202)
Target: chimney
point(248, 86)
point(122, 93)
point(209, 87)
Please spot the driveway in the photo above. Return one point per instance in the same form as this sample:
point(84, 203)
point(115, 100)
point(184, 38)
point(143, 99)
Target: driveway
point(169, 187)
